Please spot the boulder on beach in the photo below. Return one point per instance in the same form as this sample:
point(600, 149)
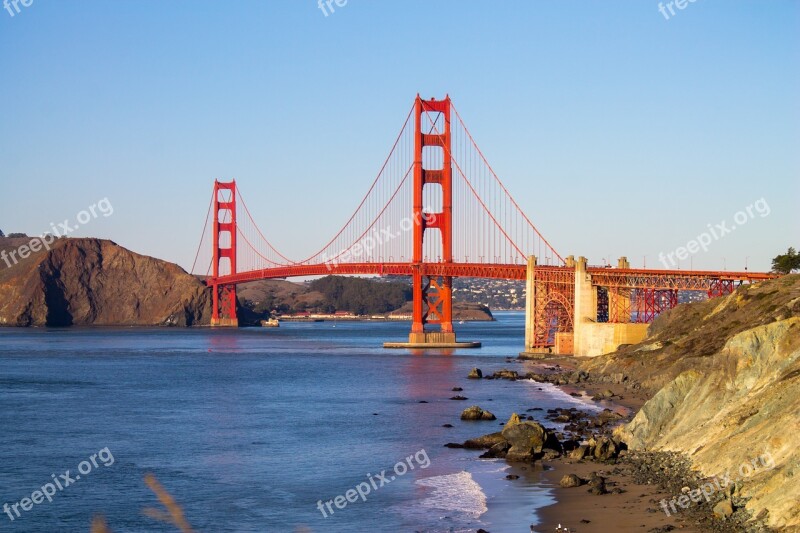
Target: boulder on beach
point(528, 440)
point(580, 452)
point(597, 484)
point(476, 413)
point(606, 416)
point(604, 448)
point(571, 480)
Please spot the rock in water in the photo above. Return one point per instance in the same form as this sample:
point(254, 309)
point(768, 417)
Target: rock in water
point(506, 374)
point(476, 413)
point(475, 373)
point(488, 416)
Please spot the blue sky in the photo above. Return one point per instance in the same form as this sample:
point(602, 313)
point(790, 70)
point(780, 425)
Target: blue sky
point(618, 131)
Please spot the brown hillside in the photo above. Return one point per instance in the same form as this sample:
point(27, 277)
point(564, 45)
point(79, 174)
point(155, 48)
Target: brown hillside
point(279, 291)
point(97, 282)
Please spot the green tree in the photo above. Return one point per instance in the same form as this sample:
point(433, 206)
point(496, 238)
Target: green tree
point(786, 263)
point(2, 234)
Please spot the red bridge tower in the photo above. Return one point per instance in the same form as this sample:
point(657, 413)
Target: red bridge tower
point(224, 248)
point(433, 295)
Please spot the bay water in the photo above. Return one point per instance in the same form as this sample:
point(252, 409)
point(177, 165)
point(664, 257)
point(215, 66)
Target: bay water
point(257, 429)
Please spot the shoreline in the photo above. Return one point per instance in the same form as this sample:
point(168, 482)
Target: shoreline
point(635, 509)
point(636, 482)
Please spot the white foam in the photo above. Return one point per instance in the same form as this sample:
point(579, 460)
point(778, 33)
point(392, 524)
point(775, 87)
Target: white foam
point(562, 397)
point(455, 493)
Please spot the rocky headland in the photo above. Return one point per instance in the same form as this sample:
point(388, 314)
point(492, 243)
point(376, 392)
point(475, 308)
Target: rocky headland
point(698, 430)
point(96, 282)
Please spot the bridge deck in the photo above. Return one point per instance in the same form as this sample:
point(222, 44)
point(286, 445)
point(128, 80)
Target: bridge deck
point(614, 277)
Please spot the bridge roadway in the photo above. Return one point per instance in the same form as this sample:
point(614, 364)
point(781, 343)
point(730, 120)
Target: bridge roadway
point(631, 278)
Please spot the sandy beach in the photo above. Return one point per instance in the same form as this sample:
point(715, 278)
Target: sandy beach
point(635, 509)
point(629, 505)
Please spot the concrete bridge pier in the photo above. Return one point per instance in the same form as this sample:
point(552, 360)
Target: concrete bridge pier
point(585, 311)
point(530, 291)
point(432, 340)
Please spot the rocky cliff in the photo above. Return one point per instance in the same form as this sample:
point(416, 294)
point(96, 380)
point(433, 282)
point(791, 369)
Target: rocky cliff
point(725, 375)
point(97, 282)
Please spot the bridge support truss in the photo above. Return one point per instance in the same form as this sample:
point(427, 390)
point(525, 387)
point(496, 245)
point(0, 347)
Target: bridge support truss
point(223, 295)
point(549, 306)
point(587, 311)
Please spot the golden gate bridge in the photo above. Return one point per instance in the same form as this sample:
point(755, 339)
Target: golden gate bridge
point(436, 210)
